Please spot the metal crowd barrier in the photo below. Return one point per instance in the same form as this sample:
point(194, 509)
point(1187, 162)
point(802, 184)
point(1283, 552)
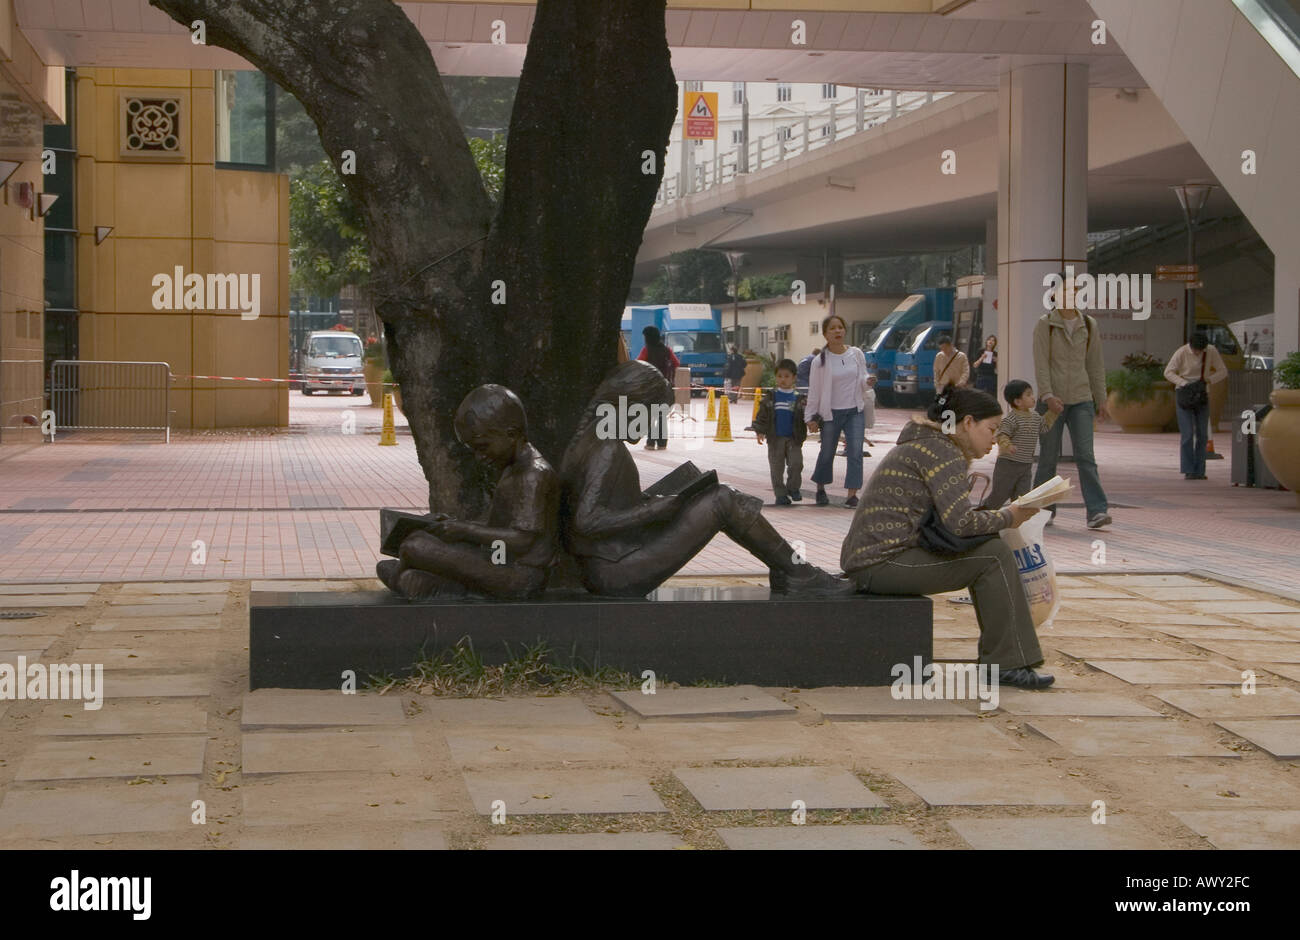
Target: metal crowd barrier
point(89, 395)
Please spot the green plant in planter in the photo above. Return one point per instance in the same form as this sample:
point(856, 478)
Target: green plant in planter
point(1286, 374)
point(374, 351)
point(1135, 382)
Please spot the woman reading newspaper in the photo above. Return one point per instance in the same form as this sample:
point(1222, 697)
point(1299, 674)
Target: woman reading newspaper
point(916, 532)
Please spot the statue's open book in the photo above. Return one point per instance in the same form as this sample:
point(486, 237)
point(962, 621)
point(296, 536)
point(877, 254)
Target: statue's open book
point(1044, 495)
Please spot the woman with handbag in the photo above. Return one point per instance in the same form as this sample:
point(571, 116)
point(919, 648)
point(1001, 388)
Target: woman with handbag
point(838, 402)
point(917, 533)
point(1189, 368)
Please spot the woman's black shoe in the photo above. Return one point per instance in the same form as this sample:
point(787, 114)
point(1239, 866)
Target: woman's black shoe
point(851, 502)
point(1025, 678)
point(822, 498)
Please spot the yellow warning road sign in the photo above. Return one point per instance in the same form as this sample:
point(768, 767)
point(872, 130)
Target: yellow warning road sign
point(701, 115)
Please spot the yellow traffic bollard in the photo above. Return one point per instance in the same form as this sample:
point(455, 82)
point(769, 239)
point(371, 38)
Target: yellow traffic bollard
point(724, 422)
point(388, 435)
point(712, 414)
point(758, 397)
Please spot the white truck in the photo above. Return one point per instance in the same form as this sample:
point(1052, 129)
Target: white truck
point(332, 363)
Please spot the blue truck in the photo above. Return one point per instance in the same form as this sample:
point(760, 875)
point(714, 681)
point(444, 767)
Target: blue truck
point(692, 331)
point(881, 348)
point(914, 363)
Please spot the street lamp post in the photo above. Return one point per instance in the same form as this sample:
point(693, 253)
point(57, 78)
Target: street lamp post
point(734, 258)
point(1192, 197)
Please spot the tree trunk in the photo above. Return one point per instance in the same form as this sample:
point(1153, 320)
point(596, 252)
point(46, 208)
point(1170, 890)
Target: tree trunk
point(597, 91)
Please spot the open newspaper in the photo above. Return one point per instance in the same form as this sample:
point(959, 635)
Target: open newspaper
point(1046, 494)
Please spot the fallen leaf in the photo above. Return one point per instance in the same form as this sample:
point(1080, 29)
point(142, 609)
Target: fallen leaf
point(541, 796)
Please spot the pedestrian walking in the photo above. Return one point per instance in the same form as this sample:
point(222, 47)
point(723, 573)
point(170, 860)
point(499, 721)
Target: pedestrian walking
point(781, 421)
point(657, 353)
point(837, 397)
point(734, 375)
point(986, 368)
point(1193, 368)
point(951, 367)
point(1071, 380)
point(805, 365)
point(1017, 440)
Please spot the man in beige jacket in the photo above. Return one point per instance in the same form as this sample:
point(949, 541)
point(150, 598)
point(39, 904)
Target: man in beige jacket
point(1071, 381)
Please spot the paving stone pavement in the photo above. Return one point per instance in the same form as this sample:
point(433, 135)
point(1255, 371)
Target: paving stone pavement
point(1182, 752)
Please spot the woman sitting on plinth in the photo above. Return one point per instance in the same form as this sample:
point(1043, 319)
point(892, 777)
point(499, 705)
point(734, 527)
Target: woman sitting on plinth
point(627, 543)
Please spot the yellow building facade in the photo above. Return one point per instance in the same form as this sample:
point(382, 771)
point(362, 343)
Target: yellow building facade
point(176, 208)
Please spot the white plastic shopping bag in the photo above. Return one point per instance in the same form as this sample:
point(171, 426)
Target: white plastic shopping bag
point(1037, 573)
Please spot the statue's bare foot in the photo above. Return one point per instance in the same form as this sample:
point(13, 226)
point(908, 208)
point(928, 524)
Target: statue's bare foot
point(417, 585)
point(388, 571)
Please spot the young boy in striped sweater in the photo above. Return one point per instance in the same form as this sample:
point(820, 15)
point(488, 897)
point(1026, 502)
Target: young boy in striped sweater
point(1017, 439)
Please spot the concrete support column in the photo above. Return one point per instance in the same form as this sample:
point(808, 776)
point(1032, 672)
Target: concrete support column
point(1286, 314)
point(1042, 197)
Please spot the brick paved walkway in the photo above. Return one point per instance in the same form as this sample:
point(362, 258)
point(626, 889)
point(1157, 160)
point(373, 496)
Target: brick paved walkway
point(301, 503)
point(1148, 717)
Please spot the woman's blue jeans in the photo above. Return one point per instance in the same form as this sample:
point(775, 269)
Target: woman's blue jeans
point(851, 422)
point(1194, 429)
point(1078, 418)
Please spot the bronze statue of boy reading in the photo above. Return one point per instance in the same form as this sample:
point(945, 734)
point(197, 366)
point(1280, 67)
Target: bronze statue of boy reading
point(508, 554)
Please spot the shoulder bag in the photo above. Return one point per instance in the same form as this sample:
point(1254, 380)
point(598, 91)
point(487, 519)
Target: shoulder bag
point(937, 538)
point(1195, 394)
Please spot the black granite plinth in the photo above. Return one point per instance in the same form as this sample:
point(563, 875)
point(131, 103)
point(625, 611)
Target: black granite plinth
point(684, 634)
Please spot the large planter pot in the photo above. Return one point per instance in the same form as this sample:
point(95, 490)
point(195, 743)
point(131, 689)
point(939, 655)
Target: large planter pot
point(1279, 438)
point(1144, 417)
point(753, 373)
point(374, 373)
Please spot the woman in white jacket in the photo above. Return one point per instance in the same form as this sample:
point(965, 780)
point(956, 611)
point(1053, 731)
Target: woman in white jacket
point(840, 399)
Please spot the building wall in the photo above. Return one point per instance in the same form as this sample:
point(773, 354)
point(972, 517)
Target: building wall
point(169, 211)
point(803, 321)
point(30, 94)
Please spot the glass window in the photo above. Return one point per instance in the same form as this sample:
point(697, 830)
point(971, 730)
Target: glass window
point(245, 108)
point(783, 91)
point(1222, 339)
point(693, 342)
point(694, 86)
point(737, 137)
point(829, 91)
point(737, 92)
point(332, 347)
point(61, 270)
